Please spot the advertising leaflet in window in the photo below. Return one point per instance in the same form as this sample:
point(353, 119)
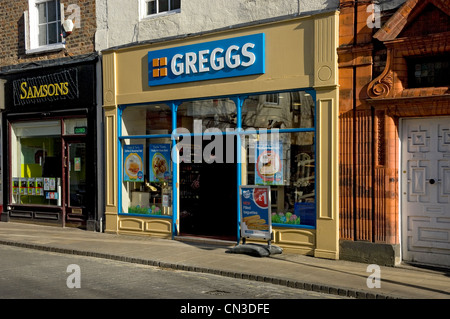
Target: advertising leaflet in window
point(269, 164)
point(159, 162)
point(133, 163)
point(255, 212)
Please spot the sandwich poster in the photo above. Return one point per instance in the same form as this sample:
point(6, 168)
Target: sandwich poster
point(159, 155)
point(133, 163)
point(269, 164)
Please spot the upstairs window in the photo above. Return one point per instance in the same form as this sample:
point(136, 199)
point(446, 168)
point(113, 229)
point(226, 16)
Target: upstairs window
point(49, 22)
point(43, 26)
point(155, 7)
point(428, 71)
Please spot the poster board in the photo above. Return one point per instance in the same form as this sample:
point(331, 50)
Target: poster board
point(269, 164)
point(159, 155)
point(255, 212)
point(133, 164)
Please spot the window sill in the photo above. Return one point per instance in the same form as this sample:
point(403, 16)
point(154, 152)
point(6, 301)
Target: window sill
point(46, 48)
point(162, 14)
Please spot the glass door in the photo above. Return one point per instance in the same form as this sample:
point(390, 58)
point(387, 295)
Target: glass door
point(75, 168)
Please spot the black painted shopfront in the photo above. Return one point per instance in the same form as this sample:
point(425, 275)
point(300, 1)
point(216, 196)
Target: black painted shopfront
point(51, 145)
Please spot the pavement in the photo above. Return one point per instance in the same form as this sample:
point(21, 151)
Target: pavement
point(338, 277)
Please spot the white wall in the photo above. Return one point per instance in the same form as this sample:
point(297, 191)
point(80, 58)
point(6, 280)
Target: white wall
point(119, 22)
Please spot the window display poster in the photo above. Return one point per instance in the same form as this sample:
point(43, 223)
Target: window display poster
point(16, 182)
point(269, 164)
point(23, 186)
point(51, 195)
point(39, 186)
point(159, 155)
point(255, 212)
point(77, 164)
point(132, 166)
point(31, 186)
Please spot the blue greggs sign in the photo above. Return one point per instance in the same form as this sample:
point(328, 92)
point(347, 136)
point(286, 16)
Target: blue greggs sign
point(206, 61)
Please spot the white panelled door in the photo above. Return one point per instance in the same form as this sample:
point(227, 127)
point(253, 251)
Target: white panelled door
point(425, 190)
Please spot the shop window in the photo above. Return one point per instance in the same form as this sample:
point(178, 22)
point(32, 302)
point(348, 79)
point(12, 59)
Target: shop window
point(43, 26)
point(155, 7)
point(147, 177)
point(76, 126)
point(147, 120)
point(294, 110)
point(287, 164)
point(36, 163)
point(285, 160)
point(206, 114)
point(146, 162)
point(428, 71)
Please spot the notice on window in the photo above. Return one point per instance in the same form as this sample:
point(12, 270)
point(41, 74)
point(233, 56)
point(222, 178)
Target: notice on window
point(49, 183)
point(255, 212)
point(23, 186)
point(159, 155)
point(269, 164)
point(133, 163)
point(16, 184)
point(77, 164)
point(31, 186)
point(39, 186)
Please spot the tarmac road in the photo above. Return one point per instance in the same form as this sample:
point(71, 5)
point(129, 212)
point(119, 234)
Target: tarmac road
point(33, 274)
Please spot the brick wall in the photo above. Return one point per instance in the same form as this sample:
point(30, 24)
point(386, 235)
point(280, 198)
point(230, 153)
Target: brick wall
point(356, 122)
point(369, 140)
point(12, 32)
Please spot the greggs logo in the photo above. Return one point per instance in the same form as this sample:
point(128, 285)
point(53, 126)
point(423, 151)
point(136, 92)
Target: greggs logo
point(46, 88)
point(206, 61)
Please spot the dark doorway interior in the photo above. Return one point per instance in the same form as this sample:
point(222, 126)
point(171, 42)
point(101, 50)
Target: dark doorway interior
point(208, 200)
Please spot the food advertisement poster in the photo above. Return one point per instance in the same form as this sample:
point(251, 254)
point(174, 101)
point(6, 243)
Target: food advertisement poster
point(133, 163)
point(255, 212)
point(269, 164)
point(159, 155)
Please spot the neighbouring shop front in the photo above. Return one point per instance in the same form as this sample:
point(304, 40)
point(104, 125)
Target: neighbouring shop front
point(188, 121)
point(50, 145)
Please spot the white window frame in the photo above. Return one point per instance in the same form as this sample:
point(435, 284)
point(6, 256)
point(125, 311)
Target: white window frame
point(143, 10)
point(31, 17)
point(272, 99)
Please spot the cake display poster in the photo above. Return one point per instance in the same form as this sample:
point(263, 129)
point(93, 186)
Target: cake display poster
point(159, 155)
point(269, 164)
point(133, 163)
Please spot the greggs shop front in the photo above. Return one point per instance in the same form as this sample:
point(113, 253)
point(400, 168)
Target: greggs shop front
point(190, 120)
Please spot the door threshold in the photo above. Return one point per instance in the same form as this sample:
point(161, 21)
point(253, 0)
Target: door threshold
point(206, 240)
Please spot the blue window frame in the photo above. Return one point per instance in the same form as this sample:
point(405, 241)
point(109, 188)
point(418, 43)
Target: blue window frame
point(304, 204)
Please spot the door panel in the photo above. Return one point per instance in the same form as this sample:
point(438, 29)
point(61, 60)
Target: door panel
point(76, 180)
point(425, 200)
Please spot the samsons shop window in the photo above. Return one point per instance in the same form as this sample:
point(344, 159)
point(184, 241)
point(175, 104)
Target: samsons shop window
point(36, 163)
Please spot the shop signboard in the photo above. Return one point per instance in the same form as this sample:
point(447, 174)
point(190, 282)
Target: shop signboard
point(159, 155)
point(226, 58)
point(255, 212)
point(133, 163)
point(62, 85)
point(269, 164)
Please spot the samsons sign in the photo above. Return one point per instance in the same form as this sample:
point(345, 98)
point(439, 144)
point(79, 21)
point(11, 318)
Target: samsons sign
point(206, 61)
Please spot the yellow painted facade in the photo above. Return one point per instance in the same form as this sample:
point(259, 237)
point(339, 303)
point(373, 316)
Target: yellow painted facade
point(309, 44)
